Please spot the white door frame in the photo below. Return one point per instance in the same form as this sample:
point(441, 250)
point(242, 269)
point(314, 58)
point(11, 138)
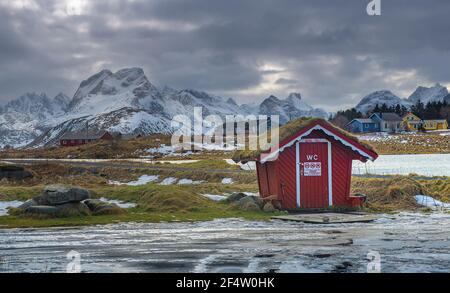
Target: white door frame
point(297, 168)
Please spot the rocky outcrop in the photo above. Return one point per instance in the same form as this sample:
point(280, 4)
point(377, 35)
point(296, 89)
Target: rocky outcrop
point(250, 202)
point(67, 201)
point(99, 207)
point(11, 172)
point(61, 194)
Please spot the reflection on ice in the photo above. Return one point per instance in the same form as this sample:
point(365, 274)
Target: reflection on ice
point(406, 242)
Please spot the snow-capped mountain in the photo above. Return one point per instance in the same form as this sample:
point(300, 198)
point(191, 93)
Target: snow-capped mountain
point(23, 119)
point(290, 108)
point(125, 101)
point(369, 102)
point(424, 94)
point(435, 93)
point(447, 99)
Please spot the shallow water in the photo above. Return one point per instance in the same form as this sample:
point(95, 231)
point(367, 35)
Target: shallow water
point(4, 205)
point(428, 165)
point(404, 242)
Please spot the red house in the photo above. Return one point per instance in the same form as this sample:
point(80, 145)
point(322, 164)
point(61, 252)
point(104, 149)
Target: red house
point(312, 166)
point(83, 137)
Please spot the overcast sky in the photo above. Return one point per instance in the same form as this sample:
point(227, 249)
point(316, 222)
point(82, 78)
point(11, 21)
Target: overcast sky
point(331, 52)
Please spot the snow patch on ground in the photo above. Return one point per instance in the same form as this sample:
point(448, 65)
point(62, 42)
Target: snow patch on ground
point(227, 181)
point(430, 202)
point(120, 203)
point(215, 197)
point(185, 181)
point(249, 166)
point(162, 149)
point(168, 181)
point(144, 179)
point(4, 205)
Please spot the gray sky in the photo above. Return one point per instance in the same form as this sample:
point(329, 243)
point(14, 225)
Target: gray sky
point(330, 51)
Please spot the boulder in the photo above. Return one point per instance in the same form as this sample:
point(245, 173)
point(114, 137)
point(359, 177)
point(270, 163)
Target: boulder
point(250, 203)
point(73, 209)
point(27, 204)
point(42, 210)
point(255, 199)
point(235, 197)
point(250, 206)
point(268, 207)
point(99, 207)
point(12, 172)
point(63, 210)
point(61, 194)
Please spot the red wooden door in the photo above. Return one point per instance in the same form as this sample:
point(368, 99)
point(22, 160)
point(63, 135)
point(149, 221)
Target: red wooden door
point(313, 159)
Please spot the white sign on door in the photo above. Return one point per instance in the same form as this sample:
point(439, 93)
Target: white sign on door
point(312, 169)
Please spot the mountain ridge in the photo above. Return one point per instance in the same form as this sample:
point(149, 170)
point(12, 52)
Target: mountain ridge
point(125, 101)
point(436, 93)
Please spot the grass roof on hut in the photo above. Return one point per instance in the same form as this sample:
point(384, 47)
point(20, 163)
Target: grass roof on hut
point(288, 130)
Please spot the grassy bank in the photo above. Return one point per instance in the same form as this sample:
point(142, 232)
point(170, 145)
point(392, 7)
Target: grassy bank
point(157, 203)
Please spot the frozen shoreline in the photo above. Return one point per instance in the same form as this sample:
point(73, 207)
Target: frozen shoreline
point(406, 242)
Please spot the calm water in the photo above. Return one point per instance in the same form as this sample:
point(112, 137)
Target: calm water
point(428, 165)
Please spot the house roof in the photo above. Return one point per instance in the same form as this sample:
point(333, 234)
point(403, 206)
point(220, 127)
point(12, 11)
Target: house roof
point(83, 134)
point(131, 135)
point(410, 114)
point(362, 120)
point(299, 128)
point(436, 120)
point(388, 116)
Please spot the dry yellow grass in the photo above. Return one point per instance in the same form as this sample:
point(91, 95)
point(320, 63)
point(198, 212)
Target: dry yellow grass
point(287, 131)
point(102, 149)
point(425, 143)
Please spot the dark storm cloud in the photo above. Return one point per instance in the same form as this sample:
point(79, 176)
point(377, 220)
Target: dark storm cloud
point(330, 51)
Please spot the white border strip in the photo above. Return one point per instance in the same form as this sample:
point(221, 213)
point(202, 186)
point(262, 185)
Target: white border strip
point(297, 171)
point(317, 127)
point(330, 168)
point(330, 176)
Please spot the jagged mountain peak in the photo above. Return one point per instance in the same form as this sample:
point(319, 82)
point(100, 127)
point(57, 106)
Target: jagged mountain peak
point(289, 108)
point(435, 93)
point(379, 97)
point(293, 96)
point(126, 101)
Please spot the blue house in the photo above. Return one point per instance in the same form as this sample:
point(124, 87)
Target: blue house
point(363, 125)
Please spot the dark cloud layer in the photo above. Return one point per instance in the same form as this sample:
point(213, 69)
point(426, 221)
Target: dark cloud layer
point(330, 51)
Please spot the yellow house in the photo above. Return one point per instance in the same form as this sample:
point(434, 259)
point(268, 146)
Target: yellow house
point(411, 122)
point(435, 124)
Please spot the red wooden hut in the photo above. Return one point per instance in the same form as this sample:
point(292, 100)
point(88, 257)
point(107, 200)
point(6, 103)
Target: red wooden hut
point(83, 137)
point(312, 166)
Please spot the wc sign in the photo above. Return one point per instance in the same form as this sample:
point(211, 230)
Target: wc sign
point(312, 169)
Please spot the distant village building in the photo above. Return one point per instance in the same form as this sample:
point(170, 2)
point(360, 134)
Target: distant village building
point(363, 125)
point(131, 136)
point(412, 122)
point(439, 124)
point(388, 122)
point(391, 122)
point(84, 137)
